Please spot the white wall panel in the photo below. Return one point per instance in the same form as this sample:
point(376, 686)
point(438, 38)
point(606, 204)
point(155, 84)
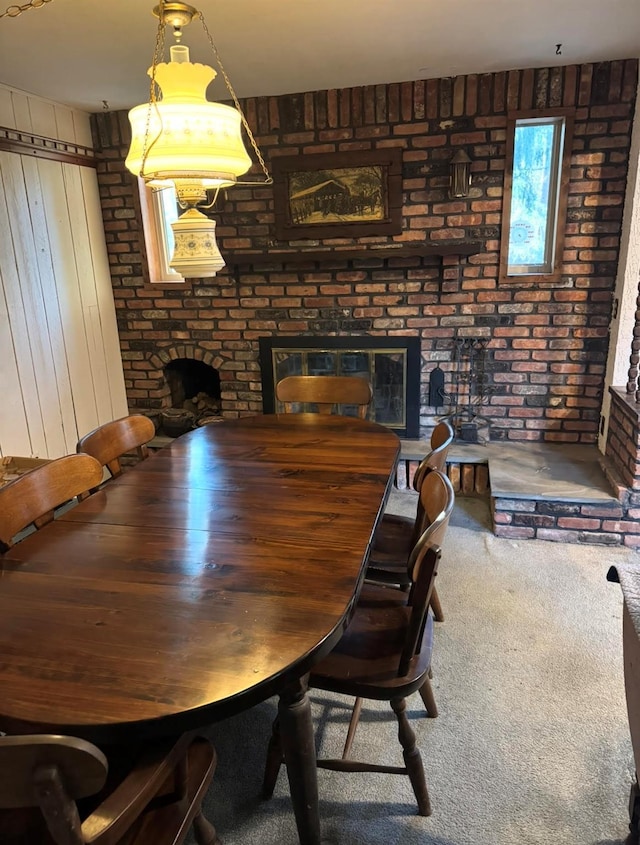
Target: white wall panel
point(109, 338)
point(82, 129)
point(72, 310)
point(43, 118)
point(61, 429)
point(87, 288)
point(14, 429)
point(37, 294)
point(65, 129)
point(61, 372)
point(7, 117)
point(18, 249)
point(21, 111)
point(29, 113)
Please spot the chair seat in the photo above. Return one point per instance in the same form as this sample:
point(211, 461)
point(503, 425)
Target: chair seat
point(365, 661)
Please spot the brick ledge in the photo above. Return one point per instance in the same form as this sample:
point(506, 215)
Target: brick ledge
point(615, 522)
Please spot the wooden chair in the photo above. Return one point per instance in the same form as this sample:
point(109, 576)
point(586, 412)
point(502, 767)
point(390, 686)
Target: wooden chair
point(47, 782)
point(32, 498)
point(396, 535)
point(435, 498)
point(324, 392)
point(109, 442)
point(385, 653)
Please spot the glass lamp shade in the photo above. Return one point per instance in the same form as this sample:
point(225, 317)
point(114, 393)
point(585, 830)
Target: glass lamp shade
point(196, 253)
point(183, 135)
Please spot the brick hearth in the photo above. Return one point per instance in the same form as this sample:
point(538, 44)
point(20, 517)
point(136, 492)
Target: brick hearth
point(541, 491)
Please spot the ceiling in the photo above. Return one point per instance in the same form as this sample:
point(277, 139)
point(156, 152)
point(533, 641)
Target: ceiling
point(89, 52)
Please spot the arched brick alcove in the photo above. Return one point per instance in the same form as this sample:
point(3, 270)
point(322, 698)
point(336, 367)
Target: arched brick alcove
point(158, 388)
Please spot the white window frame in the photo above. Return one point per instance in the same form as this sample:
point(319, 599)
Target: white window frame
point(156, 225)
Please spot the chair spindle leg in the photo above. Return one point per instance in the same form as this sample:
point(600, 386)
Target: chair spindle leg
point(275, 758)
point(412, 758)
point(353, 724)
point(435, 605)
point(428, 699)
point(204, 831)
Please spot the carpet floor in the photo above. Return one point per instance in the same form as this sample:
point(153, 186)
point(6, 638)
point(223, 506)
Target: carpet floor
point(532, 742)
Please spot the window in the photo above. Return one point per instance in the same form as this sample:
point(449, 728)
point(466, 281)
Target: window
point(535, 198)
point(159, 210)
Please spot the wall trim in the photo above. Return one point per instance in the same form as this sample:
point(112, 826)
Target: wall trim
point(27, 143)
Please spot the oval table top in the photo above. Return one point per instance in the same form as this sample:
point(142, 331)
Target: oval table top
point(197, 583)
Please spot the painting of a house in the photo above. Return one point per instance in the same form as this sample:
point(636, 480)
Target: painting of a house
point(345, 194)
point(341, 195)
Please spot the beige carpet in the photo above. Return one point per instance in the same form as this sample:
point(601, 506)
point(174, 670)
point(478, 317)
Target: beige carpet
point(532, 742)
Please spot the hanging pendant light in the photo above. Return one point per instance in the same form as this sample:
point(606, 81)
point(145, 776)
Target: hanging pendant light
point(181, 139)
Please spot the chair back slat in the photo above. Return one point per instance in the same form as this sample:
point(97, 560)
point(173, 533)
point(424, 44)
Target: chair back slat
point(32, 498)
point(109, 442)
point(27, 760)
point(441, 439)
point(325, 392)
point(420, 596)
point(437, 500)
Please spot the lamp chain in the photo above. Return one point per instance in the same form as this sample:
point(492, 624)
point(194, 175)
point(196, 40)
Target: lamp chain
point(14, 11)
point(158, 54)
point(227, 82)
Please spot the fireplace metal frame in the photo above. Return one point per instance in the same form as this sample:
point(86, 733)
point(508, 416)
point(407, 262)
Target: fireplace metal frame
point(408, 345)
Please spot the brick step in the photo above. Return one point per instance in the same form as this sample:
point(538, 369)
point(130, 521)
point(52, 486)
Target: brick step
point(564, 494)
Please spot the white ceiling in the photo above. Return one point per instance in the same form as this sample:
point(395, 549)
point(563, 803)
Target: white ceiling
point(84, 52)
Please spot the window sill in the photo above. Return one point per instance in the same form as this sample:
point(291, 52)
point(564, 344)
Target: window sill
point(550, 280)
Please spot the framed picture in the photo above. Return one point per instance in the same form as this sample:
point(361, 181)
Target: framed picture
point(338, 195)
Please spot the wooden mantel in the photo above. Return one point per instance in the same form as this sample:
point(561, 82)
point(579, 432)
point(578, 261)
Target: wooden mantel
point(236, 260)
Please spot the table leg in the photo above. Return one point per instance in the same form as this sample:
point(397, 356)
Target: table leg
point(298, 746)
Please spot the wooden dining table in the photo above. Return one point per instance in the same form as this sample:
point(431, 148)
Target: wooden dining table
point(202, 581)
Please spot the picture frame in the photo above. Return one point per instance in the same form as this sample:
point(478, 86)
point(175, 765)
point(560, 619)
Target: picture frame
point(338, 195)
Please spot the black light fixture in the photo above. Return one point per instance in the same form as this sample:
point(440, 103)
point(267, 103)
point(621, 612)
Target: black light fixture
point(460, 175)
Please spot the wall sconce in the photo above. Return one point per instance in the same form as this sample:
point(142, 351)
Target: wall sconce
point(460, 175)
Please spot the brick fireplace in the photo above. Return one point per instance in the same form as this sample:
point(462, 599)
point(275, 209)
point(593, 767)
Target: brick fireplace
point(546, 344)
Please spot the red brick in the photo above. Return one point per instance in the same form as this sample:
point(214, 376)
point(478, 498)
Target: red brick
point(513, 533)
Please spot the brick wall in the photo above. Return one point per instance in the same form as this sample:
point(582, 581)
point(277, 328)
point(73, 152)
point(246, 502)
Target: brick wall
point(623, 441)
point(546, 344)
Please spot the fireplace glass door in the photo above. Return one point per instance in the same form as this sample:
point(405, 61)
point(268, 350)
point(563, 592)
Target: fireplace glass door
point(389, 365)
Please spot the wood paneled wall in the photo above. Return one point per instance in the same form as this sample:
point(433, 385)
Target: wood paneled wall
point(61, 369)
